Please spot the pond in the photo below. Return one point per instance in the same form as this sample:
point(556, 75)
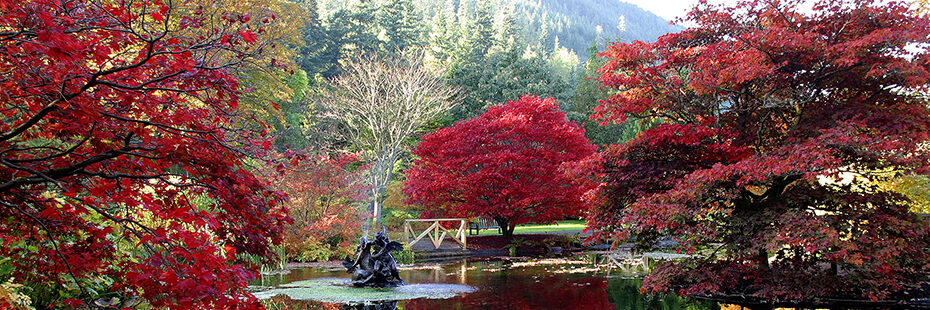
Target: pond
point(566, 283)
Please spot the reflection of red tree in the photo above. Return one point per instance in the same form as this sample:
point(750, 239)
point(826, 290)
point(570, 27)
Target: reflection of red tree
point(283, 302)
point(510, 291)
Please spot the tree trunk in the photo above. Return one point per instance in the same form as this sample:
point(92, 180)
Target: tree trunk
point(763, 258)
point(379, 176)
point(506, 229)
point(377, 213)
point(366, 223)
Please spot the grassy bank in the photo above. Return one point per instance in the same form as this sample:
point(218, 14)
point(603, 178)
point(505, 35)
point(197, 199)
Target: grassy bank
point(567, 225)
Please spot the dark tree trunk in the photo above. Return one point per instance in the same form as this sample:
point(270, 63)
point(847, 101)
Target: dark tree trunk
point(506, 227)
point(508, 231)
point(763, 258)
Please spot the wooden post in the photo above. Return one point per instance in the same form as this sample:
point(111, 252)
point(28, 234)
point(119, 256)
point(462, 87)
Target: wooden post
point(462, 234)
point(407, 232)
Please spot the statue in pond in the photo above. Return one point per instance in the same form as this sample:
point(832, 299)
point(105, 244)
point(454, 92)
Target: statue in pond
point(374, 264)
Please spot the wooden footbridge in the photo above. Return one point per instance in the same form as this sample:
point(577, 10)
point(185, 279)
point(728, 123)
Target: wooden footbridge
point(437, 232)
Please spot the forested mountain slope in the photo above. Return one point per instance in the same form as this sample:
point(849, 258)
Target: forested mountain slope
point(491, 50)
point(574, 24)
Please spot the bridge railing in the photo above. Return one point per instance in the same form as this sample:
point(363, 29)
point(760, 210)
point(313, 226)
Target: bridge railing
point(436, 232)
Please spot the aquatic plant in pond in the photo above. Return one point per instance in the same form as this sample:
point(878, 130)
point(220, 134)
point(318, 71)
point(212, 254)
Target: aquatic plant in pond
point(340, 290)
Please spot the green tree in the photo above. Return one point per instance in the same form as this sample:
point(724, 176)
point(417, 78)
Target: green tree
point(400, 26)
point(587, 95)
point(506, 32)
point(443, 35)
point(564, 62)
point(481, 28)
point(496, 69)
point(320, 53)
point(502, 76)
point(353, 32)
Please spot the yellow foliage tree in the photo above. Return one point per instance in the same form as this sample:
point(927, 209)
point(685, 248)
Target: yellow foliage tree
point(264, 79)
point(396, 208)
point(914, 187)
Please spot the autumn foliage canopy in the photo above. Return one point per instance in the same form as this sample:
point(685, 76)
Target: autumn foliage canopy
point(776, 127)
point(323, 193)
point(121, 153)
point(505, 164)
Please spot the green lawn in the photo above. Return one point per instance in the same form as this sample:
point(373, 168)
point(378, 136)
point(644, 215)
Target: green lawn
point(535, 228)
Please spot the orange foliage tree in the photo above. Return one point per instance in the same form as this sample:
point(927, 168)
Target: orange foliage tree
point(323, 195)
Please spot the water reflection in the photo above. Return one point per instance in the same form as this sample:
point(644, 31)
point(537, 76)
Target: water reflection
point(286, 303)
point(535, 284)
point(382, 305)
point(625, 294)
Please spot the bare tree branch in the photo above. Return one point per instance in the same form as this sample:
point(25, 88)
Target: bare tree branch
point(382, 103)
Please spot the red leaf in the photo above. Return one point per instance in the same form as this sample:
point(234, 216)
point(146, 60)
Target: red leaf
point(248, 36)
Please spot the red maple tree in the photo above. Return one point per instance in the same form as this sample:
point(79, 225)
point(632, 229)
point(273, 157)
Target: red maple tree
point(505, 164)
point(121, 168)
point(776, 125)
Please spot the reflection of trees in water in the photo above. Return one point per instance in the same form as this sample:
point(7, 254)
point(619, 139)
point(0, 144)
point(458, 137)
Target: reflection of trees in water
point(283, 302)
point(519, 289)
point(625, 295)
point(379, 305)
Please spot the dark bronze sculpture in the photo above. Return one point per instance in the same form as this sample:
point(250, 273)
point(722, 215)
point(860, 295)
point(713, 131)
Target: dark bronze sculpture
point(377, 269)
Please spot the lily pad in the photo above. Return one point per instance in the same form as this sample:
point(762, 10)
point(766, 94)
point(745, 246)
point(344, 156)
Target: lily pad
point(338, 290)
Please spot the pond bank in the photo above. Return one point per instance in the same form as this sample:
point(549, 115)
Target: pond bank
point(538, 244)
point(485, 246)
point(825, 303)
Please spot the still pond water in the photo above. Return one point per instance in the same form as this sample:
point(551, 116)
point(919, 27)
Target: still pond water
point(574, 283)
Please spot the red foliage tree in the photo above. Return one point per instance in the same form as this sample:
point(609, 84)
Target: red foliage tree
point(121, 171)
point(777, 127)
point(322, 195)
point(505, 164)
